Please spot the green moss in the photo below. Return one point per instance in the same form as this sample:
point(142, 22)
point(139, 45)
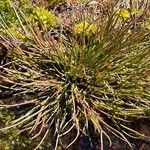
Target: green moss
point(10, 139)
point(147, 112)
point(6, 12)
point(40, 14)
point(36, 14)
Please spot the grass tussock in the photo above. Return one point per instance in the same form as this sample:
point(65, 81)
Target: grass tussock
point(96, 75)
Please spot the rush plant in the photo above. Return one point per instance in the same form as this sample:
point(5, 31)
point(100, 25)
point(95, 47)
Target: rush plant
point(70, 85)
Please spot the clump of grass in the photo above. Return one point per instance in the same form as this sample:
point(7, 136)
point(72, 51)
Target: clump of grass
point(71, 85)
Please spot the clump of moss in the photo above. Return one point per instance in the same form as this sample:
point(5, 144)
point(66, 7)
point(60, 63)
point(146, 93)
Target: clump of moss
point(36, 14)
point(10, 139)
point(6, 12)
point(47, 18)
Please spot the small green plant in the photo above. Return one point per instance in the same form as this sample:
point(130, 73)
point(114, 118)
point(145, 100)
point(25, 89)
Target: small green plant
point(47, 18)
point(84, 27)
point(10, 139)
point(123, 13)
point(37, 15)
point(6, 12)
